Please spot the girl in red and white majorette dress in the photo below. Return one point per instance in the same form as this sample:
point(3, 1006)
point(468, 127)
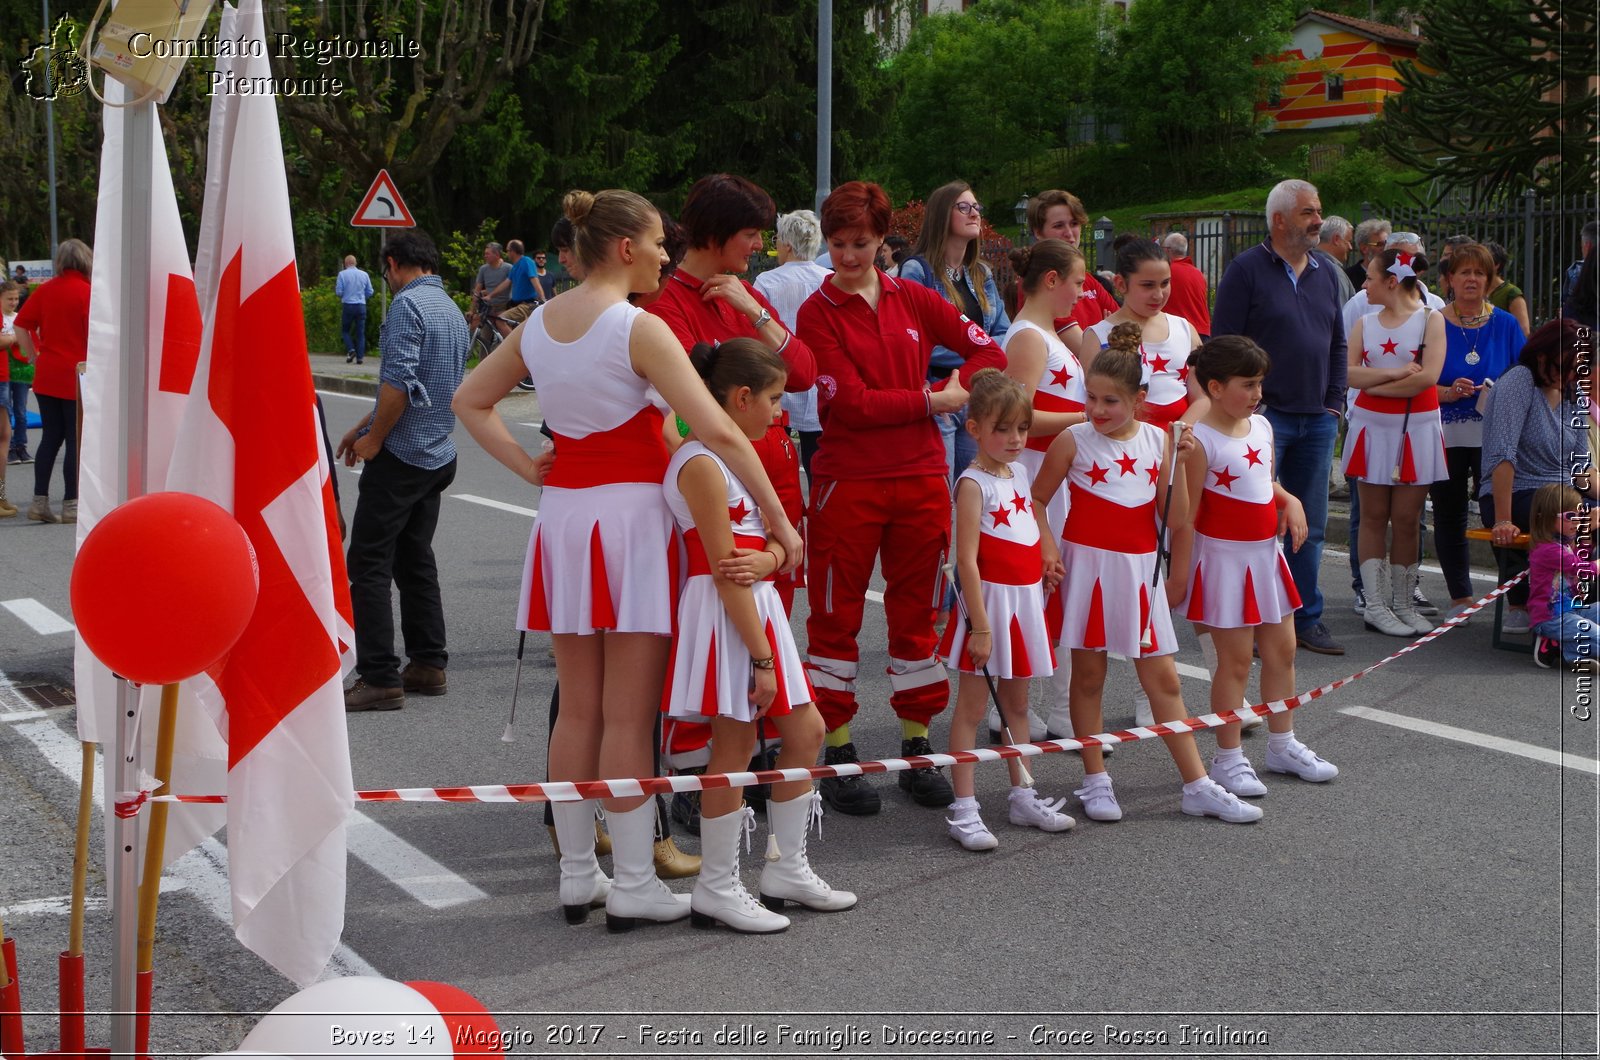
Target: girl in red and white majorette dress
point(1395, 444)
point(601, 572)
point(1002, 632)
point(1050, 274)
point(1240, 592)
point(1118, 470)
point(1144, 279)
point(734, 661)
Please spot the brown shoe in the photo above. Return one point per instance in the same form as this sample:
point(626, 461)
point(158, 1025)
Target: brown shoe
point(423, 679)
point(602, 842)
point(362, 696)
point(672, 863)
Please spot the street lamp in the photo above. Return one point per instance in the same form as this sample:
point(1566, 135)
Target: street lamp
point(1020, 211)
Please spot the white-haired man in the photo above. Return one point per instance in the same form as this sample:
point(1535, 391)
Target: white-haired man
point(1334, 244)
point(1284, 298)
point(1191, 294)
point(1372, 235)
point(799, 238)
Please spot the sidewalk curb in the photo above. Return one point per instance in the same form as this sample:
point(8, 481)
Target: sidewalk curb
point(343, 384)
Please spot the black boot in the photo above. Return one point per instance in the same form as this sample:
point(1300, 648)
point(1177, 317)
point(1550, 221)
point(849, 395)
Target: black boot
point(686, 804)
point(851, 795)
point(927, 787)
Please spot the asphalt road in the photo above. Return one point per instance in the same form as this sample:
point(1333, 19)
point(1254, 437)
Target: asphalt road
point(1438, 898)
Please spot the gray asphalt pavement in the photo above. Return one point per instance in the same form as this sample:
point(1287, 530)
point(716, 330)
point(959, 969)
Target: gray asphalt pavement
point(1437, 898)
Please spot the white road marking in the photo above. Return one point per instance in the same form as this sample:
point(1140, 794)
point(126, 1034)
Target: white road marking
point(501, 505)
point(408, 868)
point(23, 715)
point(348, 397)
point(61, 904)
point(39, 618)
point(535, 426)
point(203, 871)
point(1478, 739)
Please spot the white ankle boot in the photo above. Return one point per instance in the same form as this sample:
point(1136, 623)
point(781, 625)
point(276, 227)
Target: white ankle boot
point(719, 895)
point(583, 885)
point(1376, 587)
point(636, 893)
point(791, 878)
point(1401, 581)
point(1208, 652)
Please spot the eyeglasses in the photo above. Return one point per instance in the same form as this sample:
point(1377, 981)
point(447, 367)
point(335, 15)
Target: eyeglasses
point(1570, 515)
point(971, 209)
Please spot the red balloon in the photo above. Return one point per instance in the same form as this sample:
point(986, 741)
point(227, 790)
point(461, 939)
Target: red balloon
point(163, 586)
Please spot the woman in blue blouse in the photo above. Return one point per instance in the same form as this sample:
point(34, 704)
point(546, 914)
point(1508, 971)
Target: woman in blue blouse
point(945, 259)
point(1481, 343)
point(1534, 433)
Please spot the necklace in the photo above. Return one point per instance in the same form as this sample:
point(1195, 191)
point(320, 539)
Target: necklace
point(1001, 472)
point(1472, 331)
point(1476, 319)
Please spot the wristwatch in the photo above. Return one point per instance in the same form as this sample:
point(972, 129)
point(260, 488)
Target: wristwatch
point(762, 321)
point(764, 664)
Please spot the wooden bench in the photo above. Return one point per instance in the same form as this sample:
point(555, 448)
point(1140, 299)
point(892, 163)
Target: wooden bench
point(1500, 640)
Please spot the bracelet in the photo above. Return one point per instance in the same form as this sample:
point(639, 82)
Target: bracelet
point(763, 664)
point(977, 633)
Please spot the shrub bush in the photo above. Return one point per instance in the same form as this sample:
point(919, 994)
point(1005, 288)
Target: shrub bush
point(322, 315)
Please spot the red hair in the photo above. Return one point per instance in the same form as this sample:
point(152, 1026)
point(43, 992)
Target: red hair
point(856, 204)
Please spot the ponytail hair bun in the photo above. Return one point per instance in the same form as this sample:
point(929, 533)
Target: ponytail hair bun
point(1019, 259)
point(727, 366)
point(1120, 361)
point(1033, 264)
point(995, 397)
point(575, 206)
point(1125, 337)
point(703, 358)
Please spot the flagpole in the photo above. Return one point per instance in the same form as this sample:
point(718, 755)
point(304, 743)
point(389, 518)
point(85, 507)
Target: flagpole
point(137, 158)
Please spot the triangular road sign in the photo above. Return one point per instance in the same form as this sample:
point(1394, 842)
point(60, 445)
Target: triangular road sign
point(383, 207)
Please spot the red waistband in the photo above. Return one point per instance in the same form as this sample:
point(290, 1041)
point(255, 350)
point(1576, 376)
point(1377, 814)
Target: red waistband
point(1163, 415)
point(1094, 521)
point(633, 452)
point(1426, 401)
point(1043, 402)
point(1009, 562)
point(1230, 519)
point(698, 561)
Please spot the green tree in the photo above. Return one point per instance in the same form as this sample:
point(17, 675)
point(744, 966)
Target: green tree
point(1504, 90)
point(990, 89)
point(1184, 79)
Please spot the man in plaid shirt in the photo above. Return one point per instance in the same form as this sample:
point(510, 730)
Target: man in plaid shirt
point(410, 461)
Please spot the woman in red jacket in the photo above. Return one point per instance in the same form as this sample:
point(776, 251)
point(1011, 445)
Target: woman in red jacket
point(880, 487)
point(54, 325)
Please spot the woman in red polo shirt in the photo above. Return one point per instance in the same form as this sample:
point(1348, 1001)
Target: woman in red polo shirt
point(53, 326)
point(879, 487)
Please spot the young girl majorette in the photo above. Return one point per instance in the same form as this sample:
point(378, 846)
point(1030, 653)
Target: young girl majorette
point(1117, 469)
point(1560, 581)
point(734, 660)
point(1395, 443)
point(1050, 274)
point(1002, 578)
point(1240, 591)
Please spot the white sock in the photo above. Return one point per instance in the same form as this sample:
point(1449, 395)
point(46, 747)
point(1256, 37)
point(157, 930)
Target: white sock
point(965, 806)
point(1228, 755)
point(1281, 741)
point(1096, 780)
point(1020, 792)
point(1195, 787)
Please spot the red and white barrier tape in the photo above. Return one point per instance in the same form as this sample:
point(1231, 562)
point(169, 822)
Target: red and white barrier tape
point(567, 791)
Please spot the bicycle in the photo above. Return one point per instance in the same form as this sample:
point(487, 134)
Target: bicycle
point(488, 335)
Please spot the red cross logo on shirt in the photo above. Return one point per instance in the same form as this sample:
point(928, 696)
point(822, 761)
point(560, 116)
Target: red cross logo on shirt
point(1059, 376)
point(1126, 463)
point(1001, 516)
point(1018, 502)
point(1097, 474)
point(1253, 456)
point(737, 512)
point(1225, 478)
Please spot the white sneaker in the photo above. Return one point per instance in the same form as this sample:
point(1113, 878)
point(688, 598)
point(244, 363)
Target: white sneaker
point(1031, 810)
point(1238, 777)
point(1036, 728)
point(970, 831)
point(1515, 621)
point(1213, 800)
point(1303, 762)
point(1099, 802)
point(1141, 709)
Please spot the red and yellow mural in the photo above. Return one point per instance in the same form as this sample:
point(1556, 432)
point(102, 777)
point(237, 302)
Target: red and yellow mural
point(1341, 71)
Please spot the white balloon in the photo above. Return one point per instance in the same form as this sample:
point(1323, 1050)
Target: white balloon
point(354, 1016)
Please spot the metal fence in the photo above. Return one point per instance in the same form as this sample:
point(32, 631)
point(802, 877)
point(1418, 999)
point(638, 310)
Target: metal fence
point(1541, 238)
point(1214, 239)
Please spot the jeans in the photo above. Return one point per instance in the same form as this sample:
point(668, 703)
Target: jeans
point(1303, 450)
point(391, 541)
point(19, 416)
point(1578, 630)
point(960, 447)
point(60, 419)
point(353, 326)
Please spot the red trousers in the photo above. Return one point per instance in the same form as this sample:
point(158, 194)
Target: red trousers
point(904, 523)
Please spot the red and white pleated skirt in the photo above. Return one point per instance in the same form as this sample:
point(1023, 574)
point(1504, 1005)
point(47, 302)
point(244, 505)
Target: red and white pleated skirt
point(1106, 603)
point(601, 558)
point(1020, 642)
point(1376, 451)
point(709, 674)
point(1238, 583)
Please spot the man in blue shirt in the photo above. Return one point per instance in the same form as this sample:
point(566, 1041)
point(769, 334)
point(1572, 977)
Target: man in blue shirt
point(354, 288)
point(1280, 295)
point(410, 461)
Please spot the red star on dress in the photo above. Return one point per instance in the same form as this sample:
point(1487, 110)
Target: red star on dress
point(1154, 471)
point(1366, 361)
point(1001, 516)
point(1126, 463)
point(1253, 456)
point(1416, 354)
point(1059, 376)
point(1225, 478)
point(737, 512)
point(1183, 374)
point(1097, 474)
point(1388, 345)
point(1018, 502)
point(1159, 365)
